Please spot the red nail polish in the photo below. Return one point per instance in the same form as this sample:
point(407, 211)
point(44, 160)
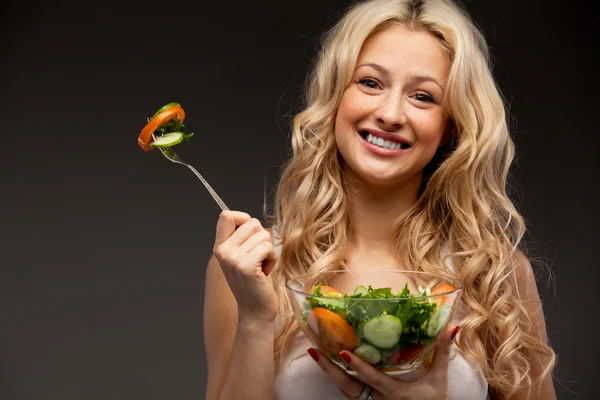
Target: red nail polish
point(454, 332)
point(345, 356)
point(313, 353)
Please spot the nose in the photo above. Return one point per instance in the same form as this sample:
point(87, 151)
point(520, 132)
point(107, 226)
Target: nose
point(390, 111)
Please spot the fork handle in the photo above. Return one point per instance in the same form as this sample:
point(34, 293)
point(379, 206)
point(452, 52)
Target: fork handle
point(214, 194)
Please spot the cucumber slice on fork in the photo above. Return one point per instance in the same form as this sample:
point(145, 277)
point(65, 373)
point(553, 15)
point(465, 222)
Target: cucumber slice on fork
point(168, 140)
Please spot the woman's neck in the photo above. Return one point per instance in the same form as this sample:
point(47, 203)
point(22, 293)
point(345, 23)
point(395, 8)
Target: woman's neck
point(372, 212)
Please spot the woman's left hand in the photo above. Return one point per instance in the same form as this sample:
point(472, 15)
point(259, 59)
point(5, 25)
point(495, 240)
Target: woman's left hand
point(433, 385)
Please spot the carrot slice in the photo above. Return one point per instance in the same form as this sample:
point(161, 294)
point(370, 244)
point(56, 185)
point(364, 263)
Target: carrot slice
point(441, 289)
point(145, 137)
point(331, 331)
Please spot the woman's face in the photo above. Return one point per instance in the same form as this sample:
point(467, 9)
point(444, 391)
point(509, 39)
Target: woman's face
point(393, 100)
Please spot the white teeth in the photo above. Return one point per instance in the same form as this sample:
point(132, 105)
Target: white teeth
point(382, 143)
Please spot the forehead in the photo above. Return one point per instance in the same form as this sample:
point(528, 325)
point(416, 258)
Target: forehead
point(404, 51)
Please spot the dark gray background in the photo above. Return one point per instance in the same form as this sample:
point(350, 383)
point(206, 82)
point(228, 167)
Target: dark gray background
point(104, 246)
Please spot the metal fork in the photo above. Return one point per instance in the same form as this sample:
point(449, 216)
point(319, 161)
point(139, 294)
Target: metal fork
point(171, 156)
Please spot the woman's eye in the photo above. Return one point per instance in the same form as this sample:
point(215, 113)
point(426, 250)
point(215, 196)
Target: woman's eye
point(370, 83)
point(424, 97)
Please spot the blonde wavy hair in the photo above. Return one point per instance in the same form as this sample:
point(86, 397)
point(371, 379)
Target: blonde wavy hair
point(463, 201)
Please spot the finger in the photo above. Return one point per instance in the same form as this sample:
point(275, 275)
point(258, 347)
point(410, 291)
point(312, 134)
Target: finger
point(244, 232)
point(441, 357)
point(346, 383)
point(261, 236)
point(269, 264)
point(376, 379)
point(228, 222)
point(260, 253)
point(269, 261)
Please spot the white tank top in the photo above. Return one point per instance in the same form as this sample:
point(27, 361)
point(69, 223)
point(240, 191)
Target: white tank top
point(300, 378)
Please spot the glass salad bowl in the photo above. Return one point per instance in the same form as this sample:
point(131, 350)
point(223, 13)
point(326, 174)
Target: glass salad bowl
point(391, 319)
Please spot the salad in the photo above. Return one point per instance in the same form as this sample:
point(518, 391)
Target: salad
point(165, 128)
point(391, 331)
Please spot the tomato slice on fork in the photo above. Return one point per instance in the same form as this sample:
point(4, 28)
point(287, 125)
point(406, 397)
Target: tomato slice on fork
point(160, 119)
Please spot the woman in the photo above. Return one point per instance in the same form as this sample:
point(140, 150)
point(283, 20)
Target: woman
point(400, 160)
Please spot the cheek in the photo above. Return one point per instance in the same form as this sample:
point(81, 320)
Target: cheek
point(352, 108)
point(344, 118)
point(431, 130)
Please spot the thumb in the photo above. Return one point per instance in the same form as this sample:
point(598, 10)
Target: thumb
point(441, 357)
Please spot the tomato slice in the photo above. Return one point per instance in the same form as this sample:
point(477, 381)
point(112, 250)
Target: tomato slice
point(441, 289)
point(145, 137)
point(331, 331)
point(406, 355)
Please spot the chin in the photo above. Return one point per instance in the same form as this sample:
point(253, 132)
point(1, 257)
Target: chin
point(381, 180)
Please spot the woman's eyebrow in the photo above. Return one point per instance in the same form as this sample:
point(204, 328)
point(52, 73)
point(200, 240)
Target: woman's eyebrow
point(424, 78)
point(412, 78)
point(374, 66)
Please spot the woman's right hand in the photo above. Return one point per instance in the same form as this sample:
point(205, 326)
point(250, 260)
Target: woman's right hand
point(246, 254)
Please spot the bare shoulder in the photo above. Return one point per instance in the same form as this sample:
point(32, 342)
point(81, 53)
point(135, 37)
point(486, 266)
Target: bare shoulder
point(525, 277)
point(523, 264)
point(541, 360)
point(527, 289)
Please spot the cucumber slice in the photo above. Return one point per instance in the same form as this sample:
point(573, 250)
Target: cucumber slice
point(165, 108)
point(383, 331)
point(368, 353)
point(361, 290)
point(170, 139)
point(438, 320)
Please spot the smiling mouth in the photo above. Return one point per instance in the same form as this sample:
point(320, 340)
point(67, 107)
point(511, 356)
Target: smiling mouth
point(384, 144)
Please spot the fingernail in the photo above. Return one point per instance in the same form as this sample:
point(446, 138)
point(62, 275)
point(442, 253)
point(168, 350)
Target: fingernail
point(454, 332)
point(345, 356)
point(313, 353)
